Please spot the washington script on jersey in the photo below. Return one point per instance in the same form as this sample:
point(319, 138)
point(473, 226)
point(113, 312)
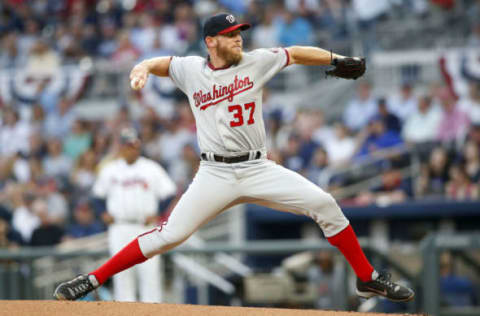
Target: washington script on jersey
point(220, 93)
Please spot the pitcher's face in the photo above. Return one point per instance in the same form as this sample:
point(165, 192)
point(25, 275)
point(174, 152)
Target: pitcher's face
point(229, 46)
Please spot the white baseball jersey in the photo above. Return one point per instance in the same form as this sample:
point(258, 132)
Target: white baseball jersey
point(133, 191)
point(227, 103)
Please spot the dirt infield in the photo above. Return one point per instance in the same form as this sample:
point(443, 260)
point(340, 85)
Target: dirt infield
point(54, 308)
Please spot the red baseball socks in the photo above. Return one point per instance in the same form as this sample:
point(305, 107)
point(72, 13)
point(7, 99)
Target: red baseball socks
point(129, 256)
point(346, 241)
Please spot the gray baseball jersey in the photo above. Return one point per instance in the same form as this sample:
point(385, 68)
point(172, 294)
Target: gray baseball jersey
point(227, 103)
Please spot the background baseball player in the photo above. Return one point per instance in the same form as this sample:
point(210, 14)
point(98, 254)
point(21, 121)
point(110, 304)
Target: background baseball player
point(225, 94)
point(133, 186)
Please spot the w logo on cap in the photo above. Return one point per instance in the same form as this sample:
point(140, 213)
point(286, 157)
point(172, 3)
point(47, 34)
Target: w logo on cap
point(230, 18)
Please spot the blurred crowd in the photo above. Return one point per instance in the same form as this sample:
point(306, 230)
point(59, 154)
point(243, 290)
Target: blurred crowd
point(44, 175)
point(49, 158)
point(44, 33)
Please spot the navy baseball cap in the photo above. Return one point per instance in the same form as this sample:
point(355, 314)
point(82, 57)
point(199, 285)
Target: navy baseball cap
point(222, 23)
point(128, 136)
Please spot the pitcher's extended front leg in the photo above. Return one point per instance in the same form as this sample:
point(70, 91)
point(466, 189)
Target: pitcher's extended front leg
point(209, 194)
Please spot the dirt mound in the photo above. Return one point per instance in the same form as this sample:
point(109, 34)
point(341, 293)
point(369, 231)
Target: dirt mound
point(54, 308)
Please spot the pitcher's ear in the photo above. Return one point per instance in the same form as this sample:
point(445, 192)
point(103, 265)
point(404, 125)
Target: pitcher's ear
point(210, 42)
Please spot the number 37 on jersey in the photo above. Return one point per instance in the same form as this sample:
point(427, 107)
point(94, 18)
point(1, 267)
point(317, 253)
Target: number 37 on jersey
point(242, 113)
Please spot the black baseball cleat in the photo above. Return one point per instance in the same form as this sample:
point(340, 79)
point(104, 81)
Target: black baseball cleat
point(76, 288)
point(381, 285)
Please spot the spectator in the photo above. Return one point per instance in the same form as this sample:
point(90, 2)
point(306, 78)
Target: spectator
point(306, 123)
point(37, 123)
point(341, 147)
point(405, 104)
point(322, 133)
point(184, 169)
point(149, 138)
point(367, 15)
point(304, 8)
point(318, 171)
point(56, 163)
point(174, 37)
point(143, 36)
point(85, 223)
point(101, 144)
point(35, 169)
point(83, 176)
point(60, 120)
point(187, 31)
point(173, 140)
point(57, 206)
point(454, 123)
point(108, 45)
point(48, 233)
point(121, 119)
point(293, 30)
point(38, 148)
point(422, 126)
point(474, 134)
point(471, 104)
point(360, 109)
point(471, 155)
point(377, 138)
point(9, 238)
point(290, 154)
point(460, 187)
point(391, 121)
point(433, 176)
point(266, 34)
point(14, 134)
point(78, 140)
point(125, 53)
point(10, 54)
point(24, 220)
point(29, 36)
point(89, 42)
point(393, 189)
point(334, 19)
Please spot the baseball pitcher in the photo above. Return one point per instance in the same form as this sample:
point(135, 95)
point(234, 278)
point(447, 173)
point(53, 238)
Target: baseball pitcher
point(225, 94)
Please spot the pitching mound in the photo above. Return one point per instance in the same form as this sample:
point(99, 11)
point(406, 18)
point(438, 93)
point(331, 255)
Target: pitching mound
point(55, 308)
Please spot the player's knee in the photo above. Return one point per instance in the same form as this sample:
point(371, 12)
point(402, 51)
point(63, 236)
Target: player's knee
point(325, 204)
point(173, 237)
point(330, 216)
point(160, 240)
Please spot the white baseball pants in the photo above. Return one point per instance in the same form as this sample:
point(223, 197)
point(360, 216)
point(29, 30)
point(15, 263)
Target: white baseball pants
point(219, 186)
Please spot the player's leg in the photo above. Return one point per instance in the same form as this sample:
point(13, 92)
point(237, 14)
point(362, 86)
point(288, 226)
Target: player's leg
point(212, 191)
point(124, 283)
point(149, 280)
point(124, 286)
point(277, 187)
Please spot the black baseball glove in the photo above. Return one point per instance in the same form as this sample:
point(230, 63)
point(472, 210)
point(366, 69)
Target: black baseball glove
point(347, 67)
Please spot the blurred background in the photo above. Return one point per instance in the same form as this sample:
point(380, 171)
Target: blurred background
point(399, 149)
